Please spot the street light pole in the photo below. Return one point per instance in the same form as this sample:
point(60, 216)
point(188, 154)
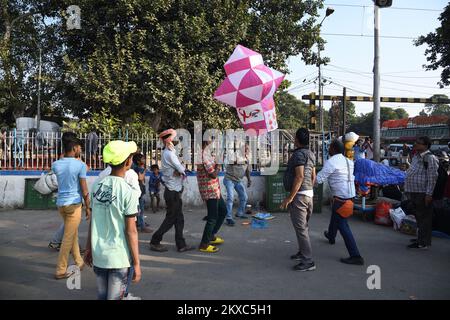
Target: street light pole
point(38, 117)
point(328, 13)
point(376, 87)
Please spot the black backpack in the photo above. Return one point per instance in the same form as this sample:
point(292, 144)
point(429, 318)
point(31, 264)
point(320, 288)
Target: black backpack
point(439, 187)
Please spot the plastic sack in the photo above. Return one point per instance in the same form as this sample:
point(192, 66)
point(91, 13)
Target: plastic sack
point(382, 215)
point(409, 225)
point(47, 183)
point(259, 224)
point(397, 215)
point(263, 216)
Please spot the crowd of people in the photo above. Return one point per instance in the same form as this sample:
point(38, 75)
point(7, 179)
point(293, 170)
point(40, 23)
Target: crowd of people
point(114, 207)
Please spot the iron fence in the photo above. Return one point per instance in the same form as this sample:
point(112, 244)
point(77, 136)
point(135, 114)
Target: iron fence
point(29, 150)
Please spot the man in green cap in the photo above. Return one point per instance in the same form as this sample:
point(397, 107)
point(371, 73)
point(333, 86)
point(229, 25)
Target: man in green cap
point(112, 245)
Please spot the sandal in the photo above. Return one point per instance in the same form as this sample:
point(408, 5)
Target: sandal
point(209, 249)
point(64, 276)
point(217, 240)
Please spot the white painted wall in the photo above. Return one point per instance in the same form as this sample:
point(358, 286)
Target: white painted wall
point(12, 191)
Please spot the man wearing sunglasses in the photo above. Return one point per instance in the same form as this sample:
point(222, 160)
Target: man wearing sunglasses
point(420, 181)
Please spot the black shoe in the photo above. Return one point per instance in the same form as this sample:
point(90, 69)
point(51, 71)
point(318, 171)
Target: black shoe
point(330, 241)
point(413, 240)
point(296, 256)
point(353, 260)
point(230, 222)
point(417, 245)
point(55, 246)
point(305, 266)
point(158, 247)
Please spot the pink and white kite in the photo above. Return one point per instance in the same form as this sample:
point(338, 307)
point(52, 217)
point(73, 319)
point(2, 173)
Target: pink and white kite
point(249, 87)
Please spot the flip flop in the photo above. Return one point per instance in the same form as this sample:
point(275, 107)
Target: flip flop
point(217, 240)
point(64, 276)
point(210, 249)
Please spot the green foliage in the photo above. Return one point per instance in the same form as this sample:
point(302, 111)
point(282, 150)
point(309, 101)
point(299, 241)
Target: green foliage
point(363, 125)
point(437, 109)
point(106, 123)
point(160, 59)
point(292, 113)
point(438, 51)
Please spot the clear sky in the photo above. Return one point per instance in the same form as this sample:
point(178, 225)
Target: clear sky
point(351, 57)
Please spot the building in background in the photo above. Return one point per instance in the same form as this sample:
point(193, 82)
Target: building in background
point(407, 130)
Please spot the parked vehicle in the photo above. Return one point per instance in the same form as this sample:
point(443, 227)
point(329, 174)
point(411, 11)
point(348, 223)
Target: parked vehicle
point(394, 153)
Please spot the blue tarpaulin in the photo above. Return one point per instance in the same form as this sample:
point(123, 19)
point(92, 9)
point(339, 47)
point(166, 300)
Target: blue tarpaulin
point(368, 172)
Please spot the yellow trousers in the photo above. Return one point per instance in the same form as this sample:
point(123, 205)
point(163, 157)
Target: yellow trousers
point(72, 218)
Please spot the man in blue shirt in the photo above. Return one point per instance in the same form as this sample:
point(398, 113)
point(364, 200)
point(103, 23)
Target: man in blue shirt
point(72, 187)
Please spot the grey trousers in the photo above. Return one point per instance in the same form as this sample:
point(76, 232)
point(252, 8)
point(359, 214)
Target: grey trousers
point(300, 210)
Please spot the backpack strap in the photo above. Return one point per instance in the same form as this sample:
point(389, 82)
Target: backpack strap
point(425, 159)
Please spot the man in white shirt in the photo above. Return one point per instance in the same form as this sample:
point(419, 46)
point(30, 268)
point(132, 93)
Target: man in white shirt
point(173, 174)
point(338, 170)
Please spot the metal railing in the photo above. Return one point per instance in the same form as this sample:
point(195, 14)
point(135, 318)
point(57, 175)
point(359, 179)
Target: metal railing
point(28, 150)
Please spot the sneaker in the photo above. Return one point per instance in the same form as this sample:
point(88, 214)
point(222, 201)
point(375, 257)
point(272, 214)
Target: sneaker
point(130, 296)
point(296, 256)
point(417, 245)
point(305, 266)
point(55, 246)
point(158, 247)
point(230, 222)
point(330, 241)
point(353, 260)
point(241, 217)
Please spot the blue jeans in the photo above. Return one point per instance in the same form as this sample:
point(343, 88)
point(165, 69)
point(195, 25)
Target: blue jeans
point(57, 238)
point(339, 223)
point(231, 185)
point(111, 283)
point(140, 216)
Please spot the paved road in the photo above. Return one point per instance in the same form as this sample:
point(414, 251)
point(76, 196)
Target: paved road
point(252, 264)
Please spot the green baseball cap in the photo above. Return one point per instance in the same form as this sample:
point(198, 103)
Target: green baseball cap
point(117, 151)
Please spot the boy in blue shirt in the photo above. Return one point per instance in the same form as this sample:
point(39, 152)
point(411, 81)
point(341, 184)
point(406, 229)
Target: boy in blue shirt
point(154, 186)
point(139, 167)
point(72, 188)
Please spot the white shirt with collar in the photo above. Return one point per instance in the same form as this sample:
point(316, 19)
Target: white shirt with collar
point(169, 165)
point(341, 181)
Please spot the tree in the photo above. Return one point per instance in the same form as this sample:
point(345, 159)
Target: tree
point(437, 109)
point(162, 59)
point(292, 113)
point(364, 123)
point(438, 51)
point(23, 30)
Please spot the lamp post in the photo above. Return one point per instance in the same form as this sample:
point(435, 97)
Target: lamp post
point(38, 117)
point(327, 13)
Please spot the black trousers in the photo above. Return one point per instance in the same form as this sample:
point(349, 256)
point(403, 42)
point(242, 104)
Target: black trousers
point(424, 217)
point(174, 217)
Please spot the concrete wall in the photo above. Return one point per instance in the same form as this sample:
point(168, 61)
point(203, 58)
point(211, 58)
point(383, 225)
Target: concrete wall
point(12, 190)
